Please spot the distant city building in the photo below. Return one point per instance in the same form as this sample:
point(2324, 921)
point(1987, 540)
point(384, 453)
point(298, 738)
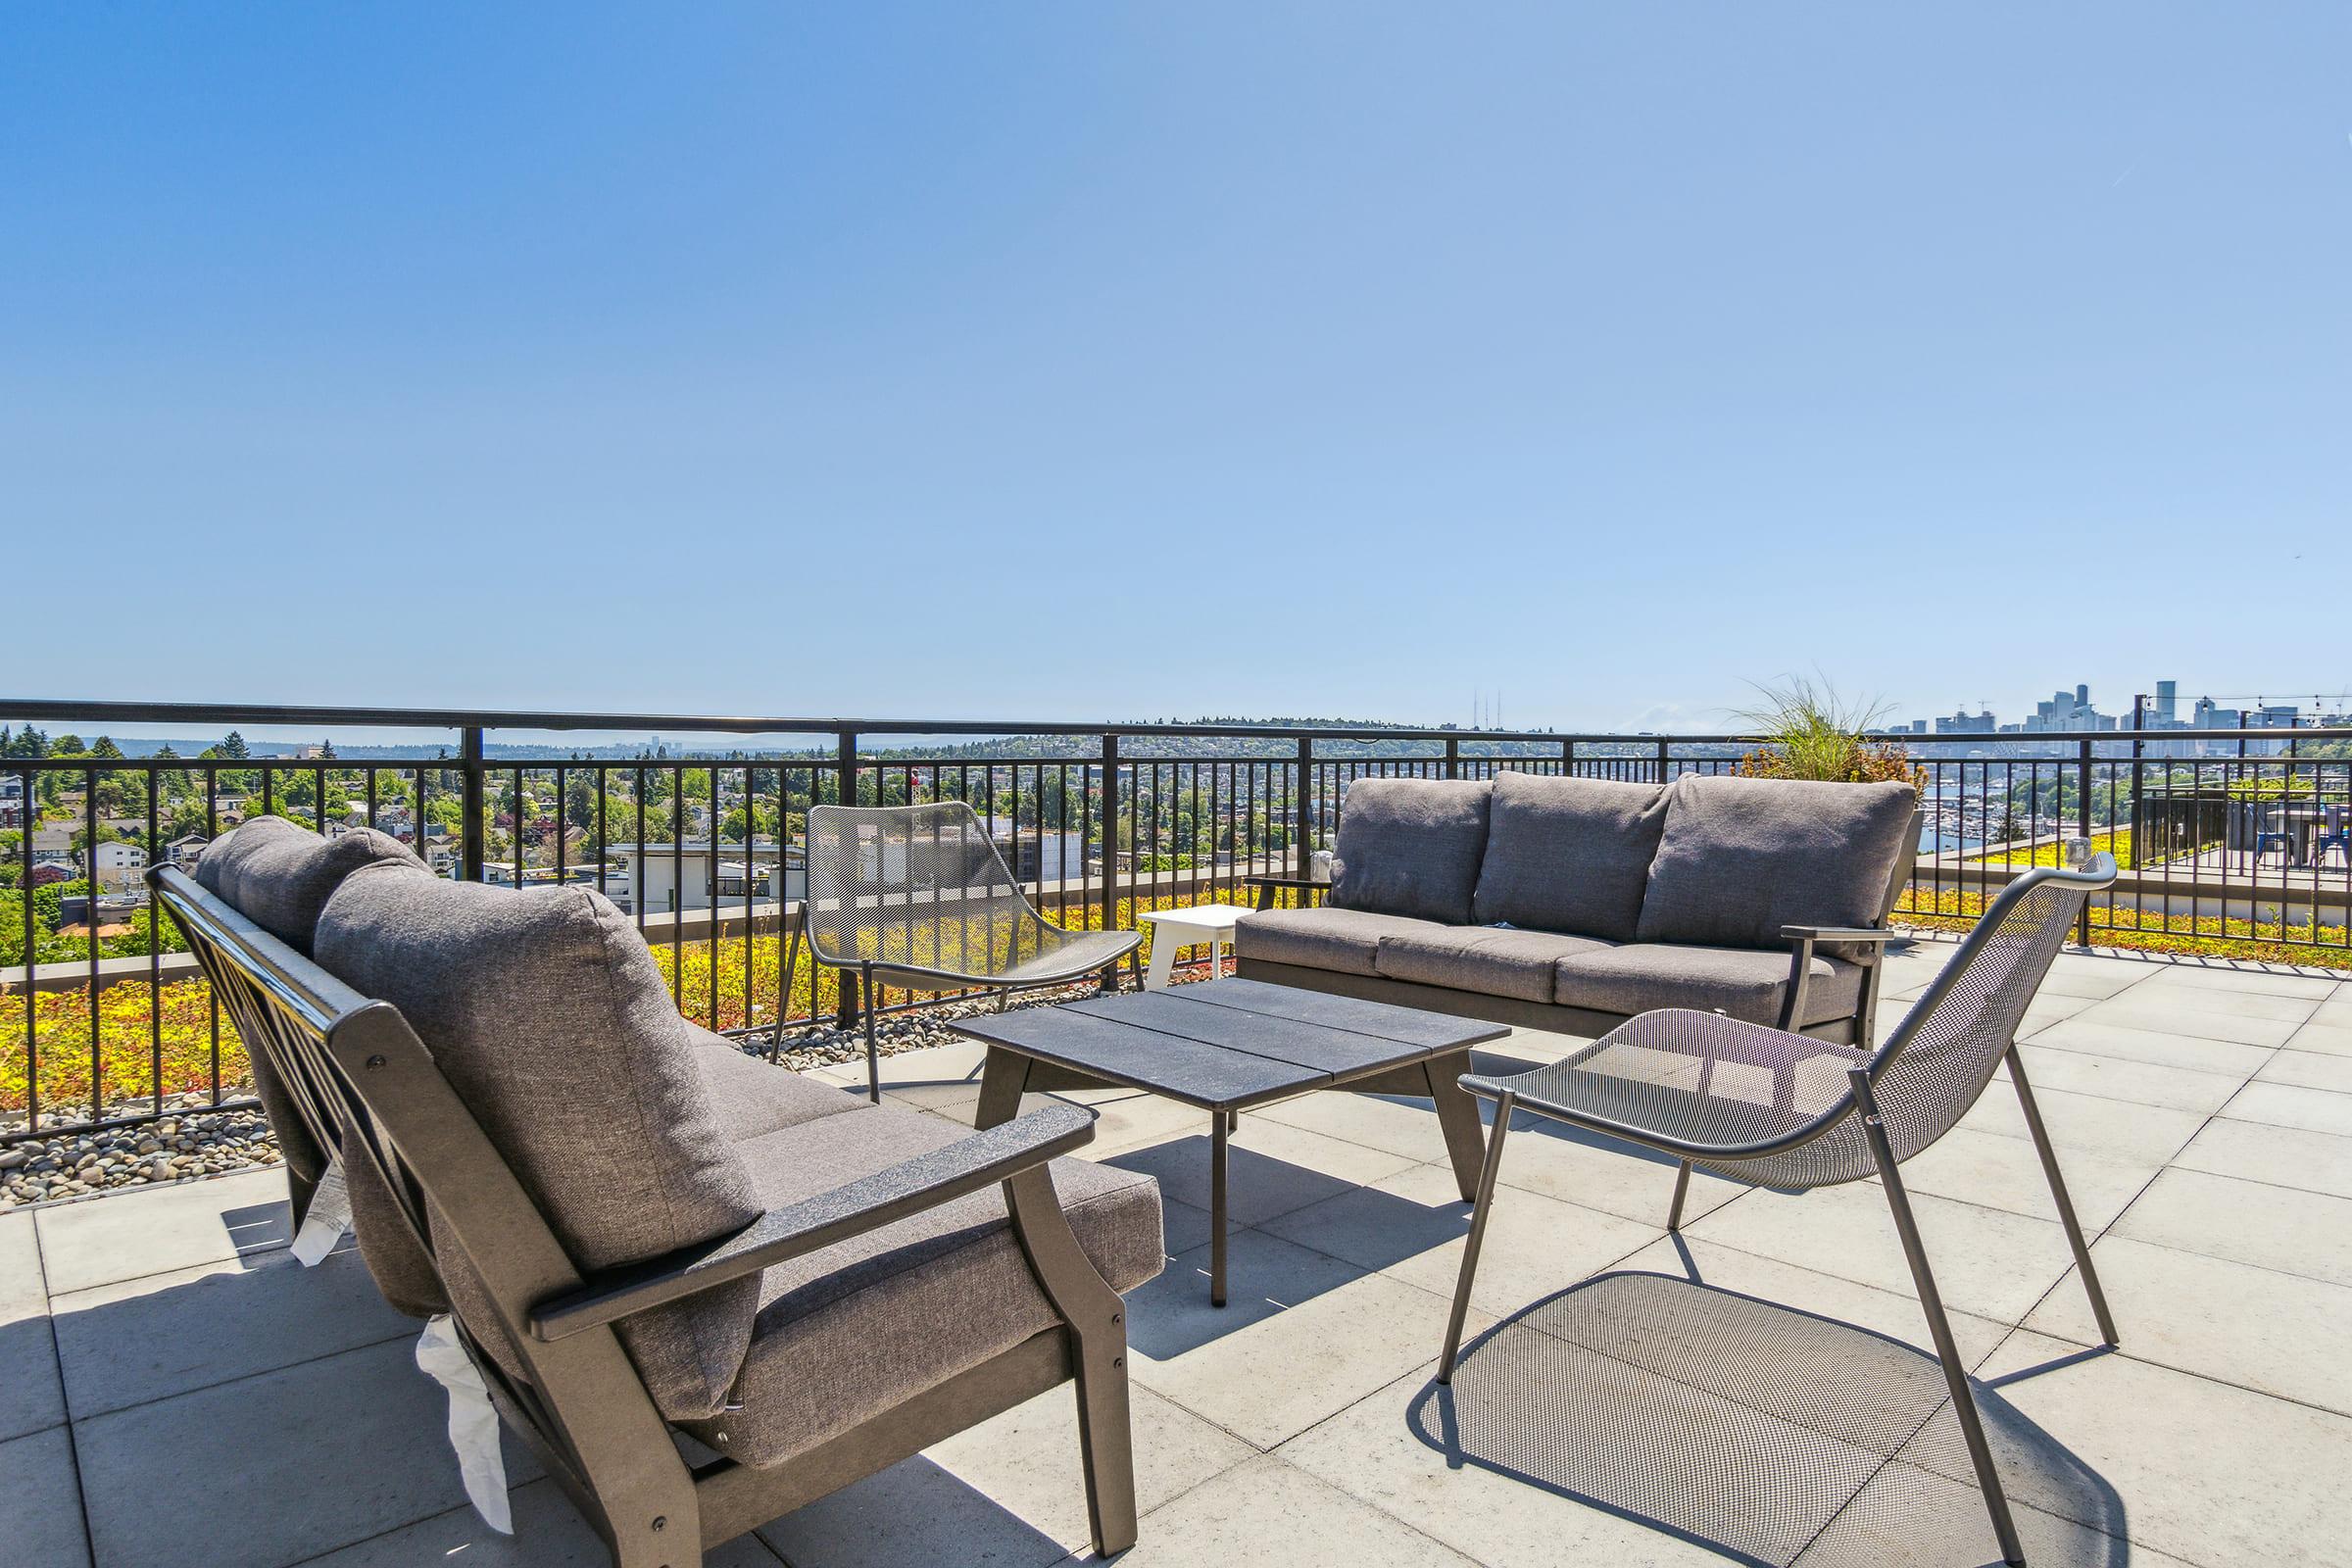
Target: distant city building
point(2065, 712)
point(1965, 723)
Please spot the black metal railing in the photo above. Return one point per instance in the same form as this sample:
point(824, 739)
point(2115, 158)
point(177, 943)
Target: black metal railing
point(2240, 851)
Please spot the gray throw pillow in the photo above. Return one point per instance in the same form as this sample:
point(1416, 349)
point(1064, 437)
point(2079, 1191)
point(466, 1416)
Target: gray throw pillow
point(1411, 847)
point(1569, 854)
point(1741, 858)
point(544, 1011)
point(279, 874)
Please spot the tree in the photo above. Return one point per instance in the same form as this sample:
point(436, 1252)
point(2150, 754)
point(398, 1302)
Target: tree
point(233, 745)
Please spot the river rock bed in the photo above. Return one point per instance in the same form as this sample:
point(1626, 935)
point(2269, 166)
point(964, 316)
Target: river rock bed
point(184, 1146)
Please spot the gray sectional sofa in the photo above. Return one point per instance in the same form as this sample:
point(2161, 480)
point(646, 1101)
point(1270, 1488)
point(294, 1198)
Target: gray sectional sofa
point(1573, 904)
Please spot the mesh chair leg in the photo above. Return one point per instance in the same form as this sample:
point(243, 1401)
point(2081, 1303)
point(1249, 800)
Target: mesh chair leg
point(792, 966)
point(1681, 1190)
point(1482, 1208)
point(1940, 1327)
point(2059, 1196)
point(873, 1051)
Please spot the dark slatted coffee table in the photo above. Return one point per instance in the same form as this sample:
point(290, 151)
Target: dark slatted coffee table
point(1228, 1045)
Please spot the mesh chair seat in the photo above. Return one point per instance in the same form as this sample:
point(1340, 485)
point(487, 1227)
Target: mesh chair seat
point(918, 896)
point(1079, 953)
point(1780, 1110)
point(1694, 1082)
point(921, 894)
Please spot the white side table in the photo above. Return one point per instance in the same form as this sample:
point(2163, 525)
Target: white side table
point(1171, 929)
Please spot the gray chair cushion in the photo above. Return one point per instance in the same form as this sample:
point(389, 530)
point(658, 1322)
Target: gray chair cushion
point(544, 1011)
point(1487, 960)
point(1569, 854)
point(851, 1331)
point(401, 1268)
point(1411, 847)
point(1747, 983)
point(279, 874)
point(1347, 940)
point(749, 1096)
point(1741, 858)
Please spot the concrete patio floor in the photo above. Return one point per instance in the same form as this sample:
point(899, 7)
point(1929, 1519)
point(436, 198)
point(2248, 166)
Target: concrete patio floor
point(174, 1389)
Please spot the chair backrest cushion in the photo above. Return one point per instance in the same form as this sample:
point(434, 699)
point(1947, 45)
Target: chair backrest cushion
point(279, 874)
point(1569, 854)
point(1741, 858)
point(1412, 846)
point(544, 1010)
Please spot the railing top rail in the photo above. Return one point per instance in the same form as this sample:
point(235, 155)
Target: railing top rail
point(52, 710)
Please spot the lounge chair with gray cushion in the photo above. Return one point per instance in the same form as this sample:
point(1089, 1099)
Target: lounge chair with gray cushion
point(645, 1236)
point(1780, 1110)
point(917, 897)
point(1575, 903)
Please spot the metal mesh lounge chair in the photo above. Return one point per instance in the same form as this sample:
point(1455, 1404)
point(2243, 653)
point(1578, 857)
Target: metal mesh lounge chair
point(917, 897)
point(1778, 1109)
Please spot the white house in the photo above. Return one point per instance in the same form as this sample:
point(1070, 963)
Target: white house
point(117, 866)
point(691, 875)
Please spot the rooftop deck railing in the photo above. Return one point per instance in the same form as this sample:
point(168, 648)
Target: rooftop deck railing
point(103, 1020)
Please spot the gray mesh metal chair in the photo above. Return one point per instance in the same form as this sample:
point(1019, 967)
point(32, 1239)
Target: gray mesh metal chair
point(1783, 1111)
point(917, 897)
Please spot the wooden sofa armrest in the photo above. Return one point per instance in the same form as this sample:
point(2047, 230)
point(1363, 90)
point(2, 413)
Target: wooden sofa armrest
point(1268, 886)
point(870, 1202)
point(1802, 940)
point(1839, 933)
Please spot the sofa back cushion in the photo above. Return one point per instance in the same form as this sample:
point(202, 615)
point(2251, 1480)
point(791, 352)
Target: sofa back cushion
point(1411, 847)
point(1569, 854)
point(1741, 858)
point(546, 1013)
point(279, 874)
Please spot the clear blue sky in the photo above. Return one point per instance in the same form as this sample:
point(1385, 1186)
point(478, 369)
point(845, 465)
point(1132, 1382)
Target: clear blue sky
point(1103, 361)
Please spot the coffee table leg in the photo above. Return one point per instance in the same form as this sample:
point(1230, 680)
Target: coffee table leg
point(1216, 1207)
point(1457, 1117)
point(1001, 1080)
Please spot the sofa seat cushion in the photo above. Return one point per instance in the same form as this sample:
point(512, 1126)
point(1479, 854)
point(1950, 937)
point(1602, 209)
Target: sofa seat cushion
point(1569, 853)
point(1411, 847)
point(749, 1096)
point(1346, 941)
point(1492, 960)
point(1747, 983)
point(544, 1011)
point(1741, 857)
point(847, 1333)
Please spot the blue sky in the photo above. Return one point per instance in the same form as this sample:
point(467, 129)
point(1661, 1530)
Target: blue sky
point(1112, 362)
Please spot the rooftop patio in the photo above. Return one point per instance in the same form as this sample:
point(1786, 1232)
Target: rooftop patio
point(174, 1387)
